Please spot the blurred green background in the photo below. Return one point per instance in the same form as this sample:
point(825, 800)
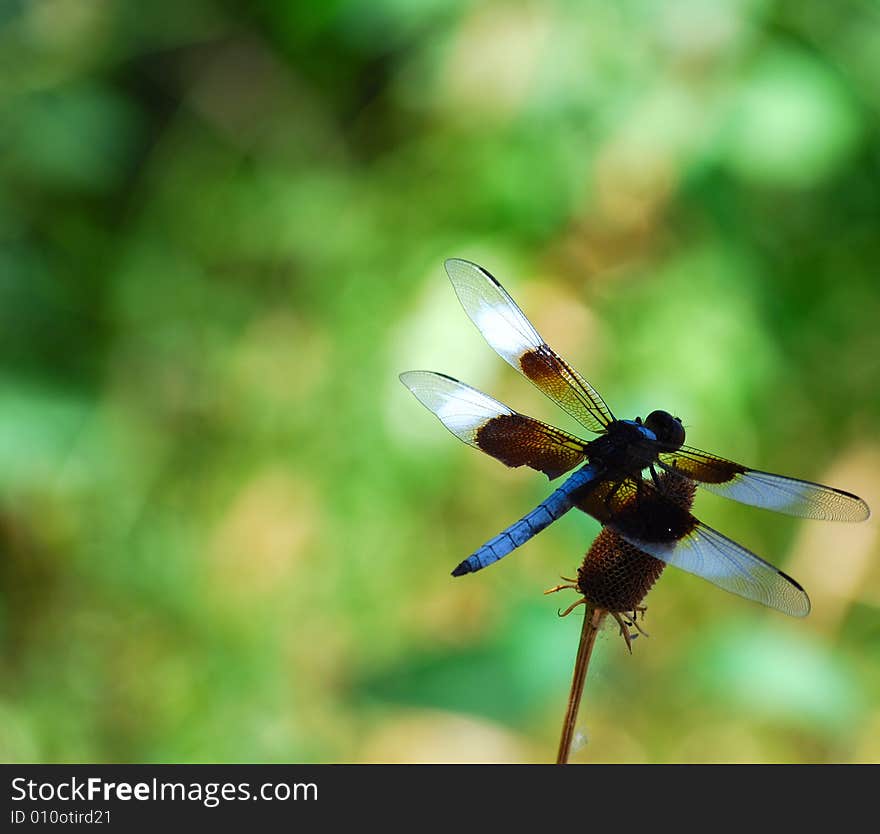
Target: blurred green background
point(226, 529)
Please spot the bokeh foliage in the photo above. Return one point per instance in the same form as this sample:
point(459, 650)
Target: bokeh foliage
point(226, 529)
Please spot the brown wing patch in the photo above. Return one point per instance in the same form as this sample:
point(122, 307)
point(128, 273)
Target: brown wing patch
point(701, 466)
point(559, 381)
point(517, 440)
point(538, 369)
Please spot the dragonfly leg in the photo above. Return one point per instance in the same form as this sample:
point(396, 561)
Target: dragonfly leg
point(633, 621)
point(624, 630)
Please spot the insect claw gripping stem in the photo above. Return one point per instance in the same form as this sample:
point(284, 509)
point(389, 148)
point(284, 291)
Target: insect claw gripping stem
point(635, 620)
point(624, 630)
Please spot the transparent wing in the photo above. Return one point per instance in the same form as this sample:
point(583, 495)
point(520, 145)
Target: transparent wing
point(492, 427)
point(764, 489)
point(511, 335)
point(707, 553)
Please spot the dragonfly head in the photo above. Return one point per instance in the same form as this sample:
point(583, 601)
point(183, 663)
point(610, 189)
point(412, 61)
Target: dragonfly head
point(669, 430)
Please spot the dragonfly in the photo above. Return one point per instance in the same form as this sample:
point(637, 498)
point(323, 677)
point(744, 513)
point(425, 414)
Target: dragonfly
point(620, 475)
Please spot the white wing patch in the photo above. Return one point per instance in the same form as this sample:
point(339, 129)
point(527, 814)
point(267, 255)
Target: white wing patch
point(459, 407)
point(505, 339)
point(502, 323)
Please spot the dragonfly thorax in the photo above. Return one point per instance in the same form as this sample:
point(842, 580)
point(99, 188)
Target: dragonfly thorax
point(669, 430)
point(621, 449)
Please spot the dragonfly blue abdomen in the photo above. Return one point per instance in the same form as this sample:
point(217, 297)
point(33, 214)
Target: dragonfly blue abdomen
point(548, 511)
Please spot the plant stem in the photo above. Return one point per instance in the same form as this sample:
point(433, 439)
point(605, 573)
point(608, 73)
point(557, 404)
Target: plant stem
point(592, 621)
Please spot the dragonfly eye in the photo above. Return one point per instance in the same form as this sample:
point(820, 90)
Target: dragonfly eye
point(668, 429)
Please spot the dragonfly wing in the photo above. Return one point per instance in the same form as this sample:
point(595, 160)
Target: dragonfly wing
point(707, 553)
point(511, 335)
point(764, 489)
point(492, 427)
point(660, 527)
